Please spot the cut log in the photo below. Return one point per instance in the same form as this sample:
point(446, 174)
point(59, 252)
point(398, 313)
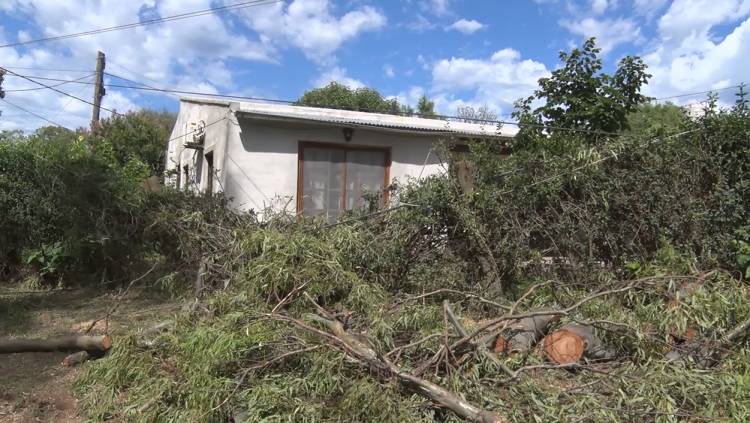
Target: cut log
point(525, 333)
point(65, 343)
point(572, 342)
point(76, 359)
point(563, 347)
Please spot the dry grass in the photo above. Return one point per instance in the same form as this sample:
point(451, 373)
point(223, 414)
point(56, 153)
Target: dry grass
point(35, 386)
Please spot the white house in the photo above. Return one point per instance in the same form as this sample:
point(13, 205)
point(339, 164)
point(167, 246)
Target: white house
point(303, 159)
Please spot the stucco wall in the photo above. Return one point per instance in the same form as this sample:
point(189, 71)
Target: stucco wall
point(261, 165)
point(256, 161)
point(218, 121)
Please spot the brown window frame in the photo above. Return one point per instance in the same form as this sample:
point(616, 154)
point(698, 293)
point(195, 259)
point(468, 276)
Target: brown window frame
point(346, 147)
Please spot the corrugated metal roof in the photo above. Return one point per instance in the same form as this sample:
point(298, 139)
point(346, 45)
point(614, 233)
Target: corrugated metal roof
point(413, 124)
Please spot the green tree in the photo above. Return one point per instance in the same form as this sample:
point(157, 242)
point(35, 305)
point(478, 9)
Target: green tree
point(335, 95)
point(579, 95)
point(142, 135)
point(425, 107)
point(656, 119)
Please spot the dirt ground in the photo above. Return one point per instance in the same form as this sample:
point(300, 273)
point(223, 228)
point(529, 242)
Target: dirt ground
point(35, 387)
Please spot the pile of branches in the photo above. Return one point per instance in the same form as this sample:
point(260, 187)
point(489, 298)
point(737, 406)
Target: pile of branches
point(302, 332)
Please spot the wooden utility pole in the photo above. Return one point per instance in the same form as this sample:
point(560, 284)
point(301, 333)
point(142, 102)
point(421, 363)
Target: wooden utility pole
point(2, 78)
point(98, 91)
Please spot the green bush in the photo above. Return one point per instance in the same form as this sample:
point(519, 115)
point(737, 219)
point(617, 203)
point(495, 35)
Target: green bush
point(65, 206)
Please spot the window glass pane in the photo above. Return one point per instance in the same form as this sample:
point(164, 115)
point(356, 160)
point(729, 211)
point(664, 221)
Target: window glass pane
point(322, 175)
point(365, 172)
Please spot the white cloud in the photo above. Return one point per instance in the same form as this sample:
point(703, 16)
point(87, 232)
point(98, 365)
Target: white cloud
point(694, 18)
point(700, 63)
point(411, 96)
point(609, 33)
point(497, 81)
point(598, 7)
point(337, 74)
point(189, 54)
point(648, 8)
point(420, 24)
point(436, 7)
point(466, 26)
point(310, 26)
point(388, 71)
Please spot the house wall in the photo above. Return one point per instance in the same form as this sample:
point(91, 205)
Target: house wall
point(262, 159)
point(218, 123)
point(256, 162)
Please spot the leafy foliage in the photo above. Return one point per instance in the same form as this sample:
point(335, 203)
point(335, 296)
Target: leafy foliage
point(425, 107)
point(62, 202)
point(138, 135)
point(340, 96)
point(578, 95)
point(336, 95)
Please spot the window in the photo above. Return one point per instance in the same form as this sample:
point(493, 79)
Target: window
point(335, 178)
point(210, 173)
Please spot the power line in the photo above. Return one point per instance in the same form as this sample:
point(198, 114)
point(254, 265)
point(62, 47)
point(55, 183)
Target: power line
point(47, 69)
point(134, 82)
point(62, 92)
point(187, 15)
point(290, 102)
point(32, 113)
point(44, 88)
point(698, 92)
point(70, 100)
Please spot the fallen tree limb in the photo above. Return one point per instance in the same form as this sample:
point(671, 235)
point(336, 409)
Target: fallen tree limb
point(380, 366)
point(480, 347)
point(65, 343)
point(706, 352)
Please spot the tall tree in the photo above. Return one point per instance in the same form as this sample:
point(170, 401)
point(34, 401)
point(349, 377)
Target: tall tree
point(579, 95)
point(142, 134)
point(425, 107)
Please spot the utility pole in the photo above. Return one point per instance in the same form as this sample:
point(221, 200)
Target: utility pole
point(98, 91)
point(2, 78)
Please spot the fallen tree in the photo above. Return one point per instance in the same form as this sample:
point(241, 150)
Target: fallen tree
point(65, 343)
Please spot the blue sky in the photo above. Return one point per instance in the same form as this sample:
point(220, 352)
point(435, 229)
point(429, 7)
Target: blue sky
point(458, 52)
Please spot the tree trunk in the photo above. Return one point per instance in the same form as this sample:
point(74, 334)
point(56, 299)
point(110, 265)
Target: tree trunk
point(65, 343)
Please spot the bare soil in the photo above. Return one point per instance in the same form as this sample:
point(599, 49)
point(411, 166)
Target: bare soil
point(35, 387)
